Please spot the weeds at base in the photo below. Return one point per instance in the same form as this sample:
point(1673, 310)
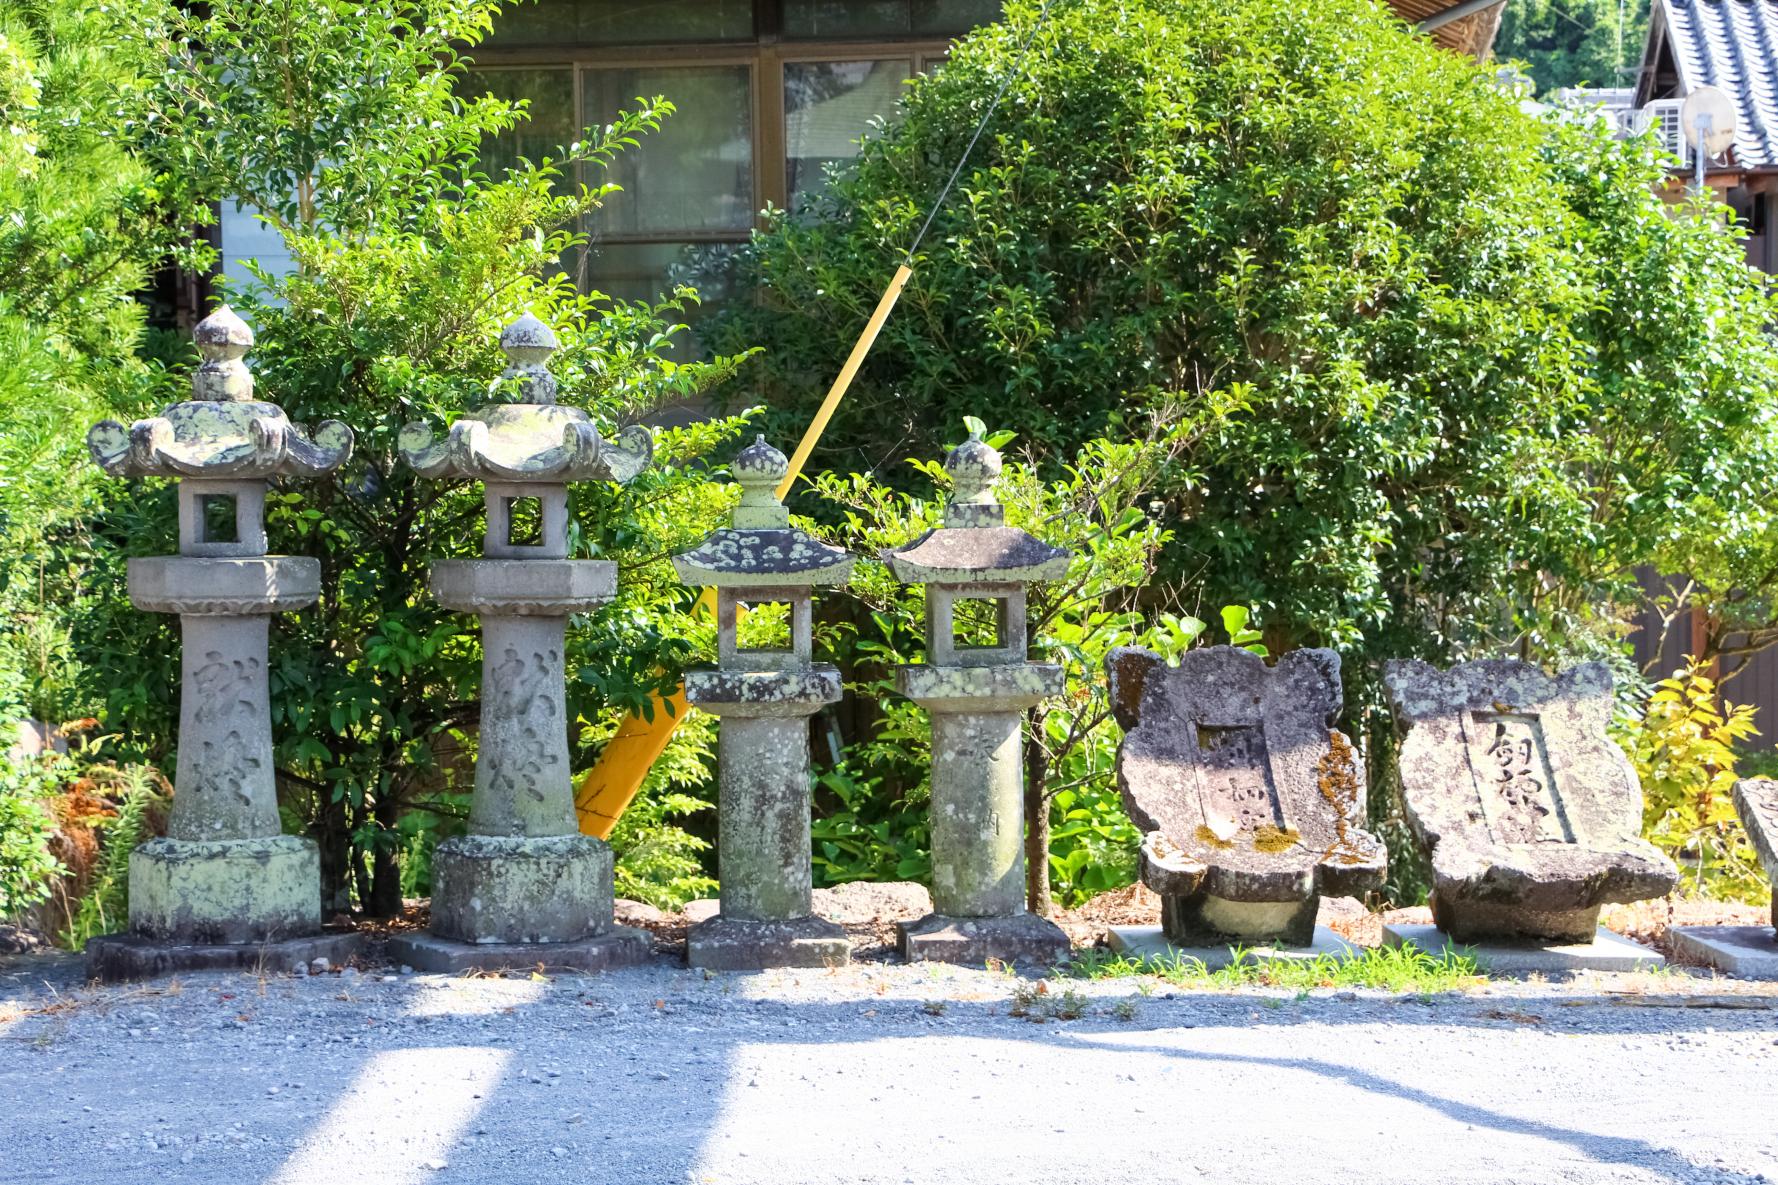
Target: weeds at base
point(1396, 969)
point(1036, 1003)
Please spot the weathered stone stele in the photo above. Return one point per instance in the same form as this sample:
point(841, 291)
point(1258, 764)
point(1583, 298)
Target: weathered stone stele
point(977, 696)
point(1747, 952)
point(764, 697)
point(1251, 803)
point(1529, 813)
point(1756, 800)
point(225, 887)
point(524, 887)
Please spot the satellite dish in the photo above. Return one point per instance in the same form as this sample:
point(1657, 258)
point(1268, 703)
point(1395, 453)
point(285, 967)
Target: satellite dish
point(1715, 111)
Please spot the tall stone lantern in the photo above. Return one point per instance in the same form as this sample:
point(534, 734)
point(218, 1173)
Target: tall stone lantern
point(765, 698)
point(524, 886)
point(977, 696)
point(226, 887)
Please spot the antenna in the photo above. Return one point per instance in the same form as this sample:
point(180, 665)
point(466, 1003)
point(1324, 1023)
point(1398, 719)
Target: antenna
point(1707, 120)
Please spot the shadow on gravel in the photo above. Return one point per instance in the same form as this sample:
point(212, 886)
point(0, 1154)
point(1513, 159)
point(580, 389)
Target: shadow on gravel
point(1630, 1153)
point(630, 1077)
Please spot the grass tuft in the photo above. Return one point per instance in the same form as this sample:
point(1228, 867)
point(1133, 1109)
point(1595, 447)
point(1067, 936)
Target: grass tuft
point(1390, 968)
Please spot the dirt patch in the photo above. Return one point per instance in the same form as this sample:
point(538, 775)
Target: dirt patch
point(1648, 921)
point(1090, 923)
point(873, 901)
point(869, 912)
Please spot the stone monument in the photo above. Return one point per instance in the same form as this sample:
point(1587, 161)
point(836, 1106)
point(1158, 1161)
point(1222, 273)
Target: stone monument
point(1251, 803)
point(226, 887)
point(1750, 952)
point(1530, 815)
point(524, 886)
point(765, 698)
point(977, 696)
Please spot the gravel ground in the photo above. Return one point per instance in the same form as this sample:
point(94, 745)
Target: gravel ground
point(876, 1073)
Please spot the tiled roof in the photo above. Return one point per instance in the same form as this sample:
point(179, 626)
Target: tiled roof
point(1731, 45)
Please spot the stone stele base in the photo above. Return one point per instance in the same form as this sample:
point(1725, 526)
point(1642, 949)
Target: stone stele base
point(1021, 938)
point(1607, 952)
point(736, 944)
point(619, 946)
point(225, 892)
point(1748, 952)
point(113, 957)
point(1150, 942)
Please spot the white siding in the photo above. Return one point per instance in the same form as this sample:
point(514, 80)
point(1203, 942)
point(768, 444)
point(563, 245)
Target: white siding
point(244, 237)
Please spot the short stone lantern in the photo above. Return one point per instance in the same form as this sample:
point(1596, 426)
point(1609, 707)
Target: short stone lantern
point(524, 886)
point(764, 697)
point(977, 696)
point(226, 887)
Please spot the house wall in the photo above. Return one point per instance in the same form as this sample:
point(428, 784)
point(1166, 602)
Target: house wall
point(244, 237)
point(1752, 680)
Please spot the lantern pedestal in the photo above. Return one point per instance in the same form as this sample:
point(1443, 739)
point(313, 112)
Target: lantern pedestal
point(978, 815)
point(763, 821)
point(524, 888)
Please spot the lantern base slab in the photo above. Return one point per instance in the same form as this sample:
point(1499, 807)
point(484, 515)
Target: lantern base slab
point(111, 958)
point(1606, 952)
point(737, 944)
point(1020, 938)
point(620, 946)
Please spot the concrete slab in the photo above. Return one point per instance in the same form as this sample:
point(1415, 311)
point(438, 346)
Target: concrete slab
point(1150, 942)
point(1607, 952)
point(619, 946)
point(1747, 952)
point(113, 957)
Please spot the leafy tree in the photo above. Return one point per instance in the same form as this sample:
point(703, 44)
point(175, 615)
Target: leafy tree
point(82, 220)
point(1460, 370)
point(1574, 42)
point(342, 124)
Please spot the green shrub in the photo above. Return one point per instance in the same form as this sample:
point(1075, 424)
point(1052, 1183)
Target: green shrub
point(83, 220)
point(138, 793)
point(1479, 371)
point(27, 824)
point(1683, 747)
point(658, 861)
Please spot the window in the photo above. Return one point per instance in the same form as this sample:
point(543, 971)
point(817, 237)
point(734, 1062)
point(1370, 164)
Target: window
point(550, 126)
point(557, 23)
point(694, 176)
point(768, 95)
point(828, 106)
point(886, 18)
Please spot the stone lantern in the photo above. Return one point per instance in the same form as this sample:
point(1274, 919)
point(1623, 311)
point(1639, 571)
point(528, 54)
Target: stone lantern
point(977, 696)
point(225, 888)
point(765, 698)
point(524, 886)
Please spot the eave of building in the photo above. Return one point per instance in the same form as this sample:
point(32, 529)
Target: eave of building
point(1472, 34)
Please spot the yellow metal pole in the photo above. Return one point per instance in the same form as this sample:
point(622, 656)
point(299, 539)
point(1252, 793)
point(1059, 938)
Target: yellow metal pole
point(611, 785)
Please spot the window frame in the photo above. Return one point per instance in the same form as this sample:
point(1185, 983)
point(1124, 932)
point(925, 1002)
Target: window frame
point(765, 60)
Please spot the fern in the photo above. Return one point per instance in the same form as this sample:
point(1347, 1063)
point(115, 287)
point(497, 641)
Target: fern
point(657, 861)
point(105, 906)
